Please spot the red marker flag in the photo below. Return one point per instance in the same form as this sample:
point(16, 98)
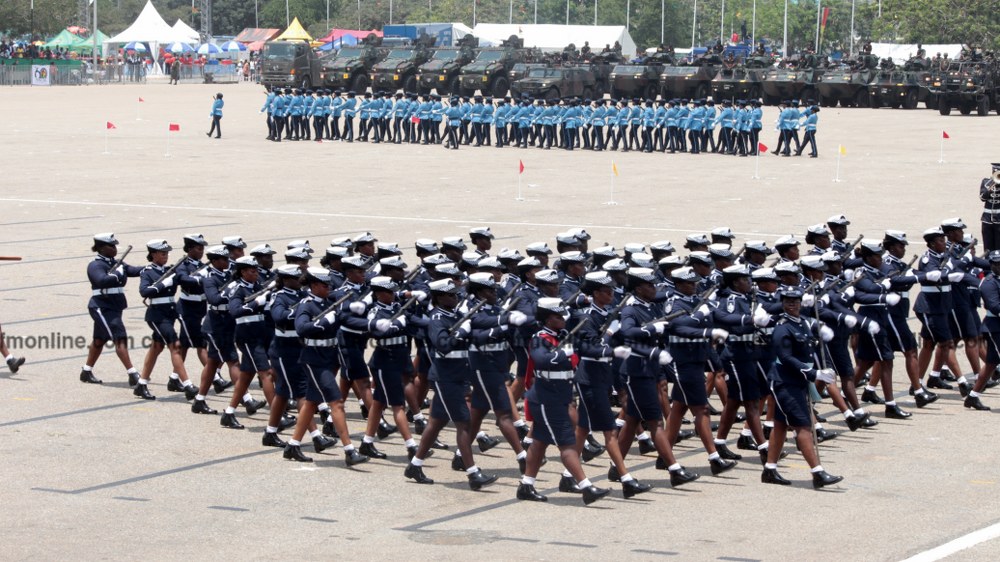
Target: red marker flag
point(520, 165)
point(761, 147)
point(944, 135)
point(174, 127)
point(141, 100)
point(111, 125)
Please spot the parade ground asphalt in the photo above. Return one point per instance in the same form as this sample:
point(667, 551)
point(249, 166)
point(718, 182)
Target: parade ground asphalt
point(94, 472)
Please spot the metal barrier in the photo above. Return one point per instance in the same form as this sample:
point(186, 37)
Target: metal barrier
point(18, 72)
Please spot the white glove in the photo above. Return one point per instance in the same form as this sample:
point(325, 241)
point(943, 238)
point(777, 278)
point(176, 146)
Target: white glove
point(719, 334)
point(848, 275)
point(825, 299)
point(850, 321)
point(465, 327)
point(887, 283)
point(119, 271)
point(357, 307)
point(825, 333)
point(849, 292)
point(383, 324)
point(665, 358)
point(330, 317)
point(568, 349)
point(874, 328)
point(760, 317)
point(401, 321)
point(622, 352)
point(892, 299)
point(956, 276)
point(934, 275)
point(704, 310)
point(825, 375)
point(368, 300)
point(261, 300)
point(614, 327)
point(516, 318)
point(421, 295)
point(168, 281)
point(808, 300)
point(659, 326)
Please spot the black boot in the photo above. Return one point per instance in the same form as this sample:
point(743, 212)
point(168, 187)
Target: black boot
point(568, 484)
point(646, 446)
point(975, 403)
point(477, 479)
point(329, 430)
point(353, 457)
point(457, 464)
point(822, 478)
point(824, 435)
point(682, 476)
point(286, 421)
point(89, 378)
point(322, 443)
point(590, 452)
point(854, 423)
point(771, 476)
point(487, 442)
point(14, 363)
point(721, 465)
point(633, 487)
point(746, 443)
point(230, 421)
point(894, 412)
point(938, 382)
point(142, 391)
point(924, 398)
point(528, 492)
point(190, 392)
point(369, 450)
point(727, 453)
point(220, 385)
point(201, 407)
point(294, 453)
point(253, 405)
point(272, 440)
point(871, 397)
point(133, 379)
point(174, 385)
point(416, 473)
point(419, 426)
point(592, 493)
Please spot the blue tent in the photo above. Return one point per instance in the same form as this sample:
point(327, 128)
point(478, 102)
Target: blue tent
point(345, 41)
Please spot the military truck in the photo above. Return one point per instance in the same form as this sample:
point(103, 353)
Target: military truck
point(351, 68)
point(847, 83)
point(490, 71)
point(442, 71)
point(966, 85)
point(557, 82)
point(692, 80)
point(399, 68)
point(521, 69)
point(741, 80)
point(639, 80)
point(904, 87)
point(289, 64)
point(796, 80)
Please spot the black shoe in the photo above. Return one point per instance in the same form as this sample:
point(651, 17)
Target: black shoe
point(646, 446)
point(727, 453)
point(992, 382)
point(661, 463)
point(272, 440)
point(477, 479)
point(771, 476)
point(437, 444)
point(220, 385)
point(721, 465)
point(763, 455)
point(353, 457)
point(683, 435)
point(568, 484)
point(133, 379)
point(487, 442)
point(592, 441)
point(592, 493)
point(286, 422)
point(871, 397)
point(329, 430)
point(976, 404)
point(925, 398)
point(741, 417)
point(822, 478)
point(528, 492)
point(253, 405)
point(14, 363)
point(854, 423)
point(590, 452)
point(767, 431)
point(364, 411)
point(634, 488)
point(867, 422)
point(321, 443)
point(142, 391)
point(457, 464)
point(522, 432)
point(893, 412)
point(416, 473)
point(824, 435)
point(682, 476)
point(385, 429)
point(938, 382)
point(230, 421)
point(201, 407)
point(419, 426)
point(947, 375)
point(613, 475)
point(819, 418)
point(294, 453)
point(190, 392)
point(409, 415)
point(746, 443)
point(174, 385)
point(964, 388)
point(369, 450)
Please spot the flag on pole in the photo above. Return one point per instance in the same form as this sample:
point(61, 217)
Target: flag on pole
point(141, 100)
point(843, 151)
point(174, 127)
point(761, 147)
point(944, 135)
point(614, 168)
point(111, 125)
point(520, 167)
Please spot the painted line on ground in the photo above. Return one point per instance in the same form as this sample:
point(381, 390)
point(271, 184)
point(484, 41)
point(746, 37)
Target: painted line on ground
point(957, 545)
point(52, 220)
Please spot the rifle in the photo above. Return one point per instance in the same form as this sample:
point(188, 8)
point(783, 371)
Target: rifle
point(678, 313)
point(615, 312)
point(968, 249)
point(172, 269)
point(909, 265)
point(267, 288)
point(846, 253)
point(740, 253)
point(510, 304)
point(472, 311)
point(336, 304)
point(121, 260)
point(406, 305)
point(411, 276)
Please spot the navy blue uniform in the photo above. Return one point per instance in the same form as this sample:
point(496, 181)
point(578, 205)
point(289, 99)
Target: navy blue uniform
point(219, 327)
point(989, 288)
point(594, 374)
point(489, 358)
point(107, 299)
point(354, 333)
point(690, 345)
point(450, 372)
point(739, 357)
point(252, 333)
point(795, 345)
point(551, 391)
point(161, 312)
point(191, 304)
point(285, 349)
point(934, 303)
point(642, 368)
point(319, 359)
point(391, 354)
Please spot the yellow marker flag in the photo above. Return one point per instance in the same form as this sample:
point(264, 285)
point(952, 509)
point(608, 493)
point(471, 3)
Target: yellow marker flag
point(843, 151)
point(614, 168)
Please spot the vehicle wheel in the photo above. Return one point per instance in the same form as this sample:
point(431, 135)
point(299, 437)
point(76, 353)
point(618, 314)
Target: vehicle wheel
point(862, 99)
point(306, 83)
point(500, 87)
point(931, 101)
point(754, 93)
point(552, 94)
point(983, 107)
point(944, 107)
point(410, 84)
point(910, 100)
point(701, 91)
point(965, 108)
point(454, 87)
point(808, 93)
point(359, 84)
point(423, 91)
point(770, 100)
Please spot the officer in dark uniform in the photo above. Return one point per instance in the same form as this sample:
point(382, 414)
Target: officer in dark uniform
point(990, 291)
point(989, 194)
point(107, 302)
point(550, 400)
point(191, 305)
point(354, 333)
point(218, 326)
point(795, 342)
point(933, 306)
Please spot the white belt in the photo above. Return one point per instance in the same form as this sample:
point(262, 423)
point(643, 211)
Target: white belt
point(554, 375)
point(941, 289)
point(249, 319)
point(454, 355)
point(991, 211)
point(502, 346)
point(677, 339)
point(285, 333)
point(162, 300)
point(902, 295)
point(597, 359)
point(401, 340)
point(196, 298)
point(742, 338)
point(112, 291)
point(219, 308)
point(350, 331)
point(332, 342)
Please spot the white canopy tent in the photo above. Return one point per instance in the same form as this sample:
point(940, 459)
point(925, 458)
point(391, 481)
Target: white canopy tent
point(186, 30)
point(555, 37)
point(901, 52)
point(149, 27)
